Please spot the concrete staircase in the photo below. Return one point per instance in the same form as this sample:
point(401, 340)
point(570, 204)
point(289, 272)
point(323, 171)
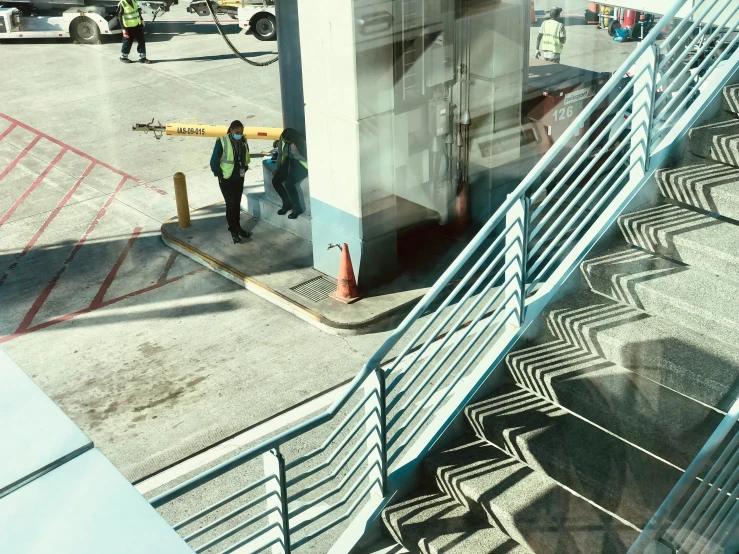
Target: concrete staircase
point(603, 412)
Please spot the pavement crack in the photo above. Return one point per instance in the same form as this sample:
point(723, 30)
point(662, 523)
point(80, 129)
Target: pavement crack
point(348, 344)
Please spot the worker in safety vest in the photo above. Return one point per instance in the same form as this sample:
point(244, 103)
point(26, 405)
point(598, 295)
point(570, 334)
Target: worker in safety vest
point(292, 168)
point(131, 21)
point(552, 37)
point(230, 162)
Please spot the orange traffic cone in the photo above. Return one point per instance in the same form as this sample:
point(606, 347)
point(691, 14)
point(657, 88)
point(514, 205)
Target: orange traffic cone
point(461, 210)
point(346, 285)
point(533, 13)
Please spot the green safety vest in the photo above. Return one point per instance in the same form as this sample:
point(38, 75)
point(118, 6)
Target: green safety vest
point(227, 158)
point(284, 152)
point(551, 40)
point(131, 15)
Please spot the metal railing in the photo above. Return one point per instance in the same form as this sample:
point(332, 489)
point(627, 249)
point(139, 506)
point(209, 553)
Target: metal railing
point(701, 513)
point(318, 480)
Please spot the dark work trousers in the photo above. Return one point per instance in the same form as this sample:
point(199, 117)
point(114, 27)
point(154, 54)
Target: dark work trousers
point(232, 189)
point(286, 181)
point(137, 34)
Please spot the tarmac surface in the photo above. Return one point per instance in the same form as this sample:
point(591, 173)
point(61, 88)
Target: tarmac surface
point(153, 356)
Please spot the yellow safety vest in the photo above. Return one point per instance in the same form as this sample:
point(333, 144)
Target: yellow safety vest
point(551, 40)
point(285, 152)
point(131, 15)
point(227, 158)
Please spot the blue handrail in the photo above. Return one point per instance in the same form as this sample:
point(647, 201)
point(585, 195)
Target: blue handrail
point(436, 289)
point(531, 245)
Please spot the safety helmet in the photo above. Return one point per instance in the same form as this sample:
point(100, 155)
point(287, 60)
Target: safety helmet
point(555, 13)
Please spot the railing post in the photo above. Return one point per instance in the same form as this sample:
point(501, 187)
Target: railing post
point(516, 242)
point(274, 465)
point(642, 112)
point(377, 442)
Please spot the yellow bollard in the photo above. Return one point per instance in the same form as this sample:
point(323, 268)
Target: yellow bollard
point(180, 196)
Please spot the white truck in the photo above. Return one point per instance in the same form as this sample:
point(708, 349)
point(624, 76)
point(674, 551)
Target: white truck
point(257, 16)
point(85, 22)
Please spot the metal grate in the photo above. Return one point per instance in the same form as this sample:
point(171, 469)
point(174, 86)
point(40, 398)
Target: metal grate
point(315, 289)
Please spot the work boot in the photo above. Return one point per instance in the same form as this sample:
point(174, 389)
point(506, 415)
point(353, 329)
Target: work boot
point(284, 210)
point(295, 214)
point(125, 60)
point(245, 234)
point(144, 60)
point(236, 237)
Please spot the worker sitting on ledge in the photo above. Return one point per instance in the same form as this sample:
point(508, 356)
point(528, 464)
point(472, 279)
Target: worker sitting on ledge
point(292, 168)
point(552, 37)
point(230, 162)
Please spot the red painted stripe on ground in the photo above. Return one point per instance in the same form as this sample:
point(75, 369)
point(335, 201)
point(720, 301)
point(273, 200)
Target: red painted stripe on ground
point(7, 131)
point(36, 306)
point(82, 154)
point(98, 300)
point(167, 267)
point(68, 317)
point(18, 158)
point(30, 189)
point(46, 222)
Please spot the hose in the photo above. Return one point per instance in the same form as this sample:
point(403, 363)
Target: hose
point(230, 44)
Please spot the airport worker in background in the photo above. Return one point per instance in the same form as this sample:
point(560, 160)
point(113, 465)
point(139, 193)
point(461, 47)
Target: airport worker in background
point(131, 21)
point(552, 37)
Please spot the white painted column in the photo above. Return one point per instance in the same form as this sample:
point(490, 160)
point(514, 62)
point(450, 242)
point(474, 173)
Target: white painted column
point(349, 129)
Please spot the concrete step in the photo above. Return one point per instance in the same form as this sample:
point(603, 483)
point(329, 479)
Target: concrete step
point(697, 300)
point(640, 411)
point(435, 523)
point(686, 236)
point(663, 351)
point(610, 472)
point(731, 99)
point(717, 140)
point(528, 506)
point(262, 206)
point(702, 183)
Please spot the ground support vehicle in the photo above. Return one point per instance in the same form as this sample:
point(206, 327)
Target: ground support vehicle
point(84, 24)
point(255, 16)
point(556, 94)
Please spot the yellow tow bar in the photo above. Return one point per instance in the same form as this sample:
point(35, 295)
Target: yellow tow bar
point(191, 128)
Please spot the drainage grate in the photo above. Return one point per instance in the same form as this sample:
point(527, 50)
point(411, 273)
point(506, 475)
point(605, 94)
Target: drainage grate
point(315, 289)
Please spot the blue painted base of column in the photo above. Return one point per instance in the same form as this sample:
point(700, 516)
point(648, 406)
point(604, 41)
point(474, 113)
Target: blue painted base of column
point(375, 260)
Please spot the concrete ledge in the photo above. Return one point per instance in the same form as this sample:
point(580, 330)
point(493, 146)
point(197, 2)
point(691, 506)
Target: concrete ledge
point(273, 261)
point(84, 507)
point(38, 437)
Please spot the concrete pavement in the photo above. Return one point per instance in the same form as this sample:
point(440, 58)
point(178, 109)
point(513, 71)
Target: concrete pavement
point(151, 356)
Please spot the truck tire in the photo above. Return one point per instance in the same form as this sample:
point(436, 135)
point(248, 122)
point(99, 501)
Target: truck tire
point(265, 27)
point(84, 30)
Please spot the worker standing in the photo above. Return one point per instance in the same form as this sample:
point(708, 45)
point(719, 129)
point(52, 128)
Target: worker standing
point(552, 37)
point(292, 168)
point(131, 21)
point(230, 162)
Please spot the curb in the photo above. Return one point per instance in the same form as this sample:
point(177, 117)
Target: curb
point(298, 310)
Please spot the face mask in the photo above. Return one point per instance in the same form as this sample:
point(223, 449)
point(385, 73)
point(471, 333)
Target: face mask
point(237, 137)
